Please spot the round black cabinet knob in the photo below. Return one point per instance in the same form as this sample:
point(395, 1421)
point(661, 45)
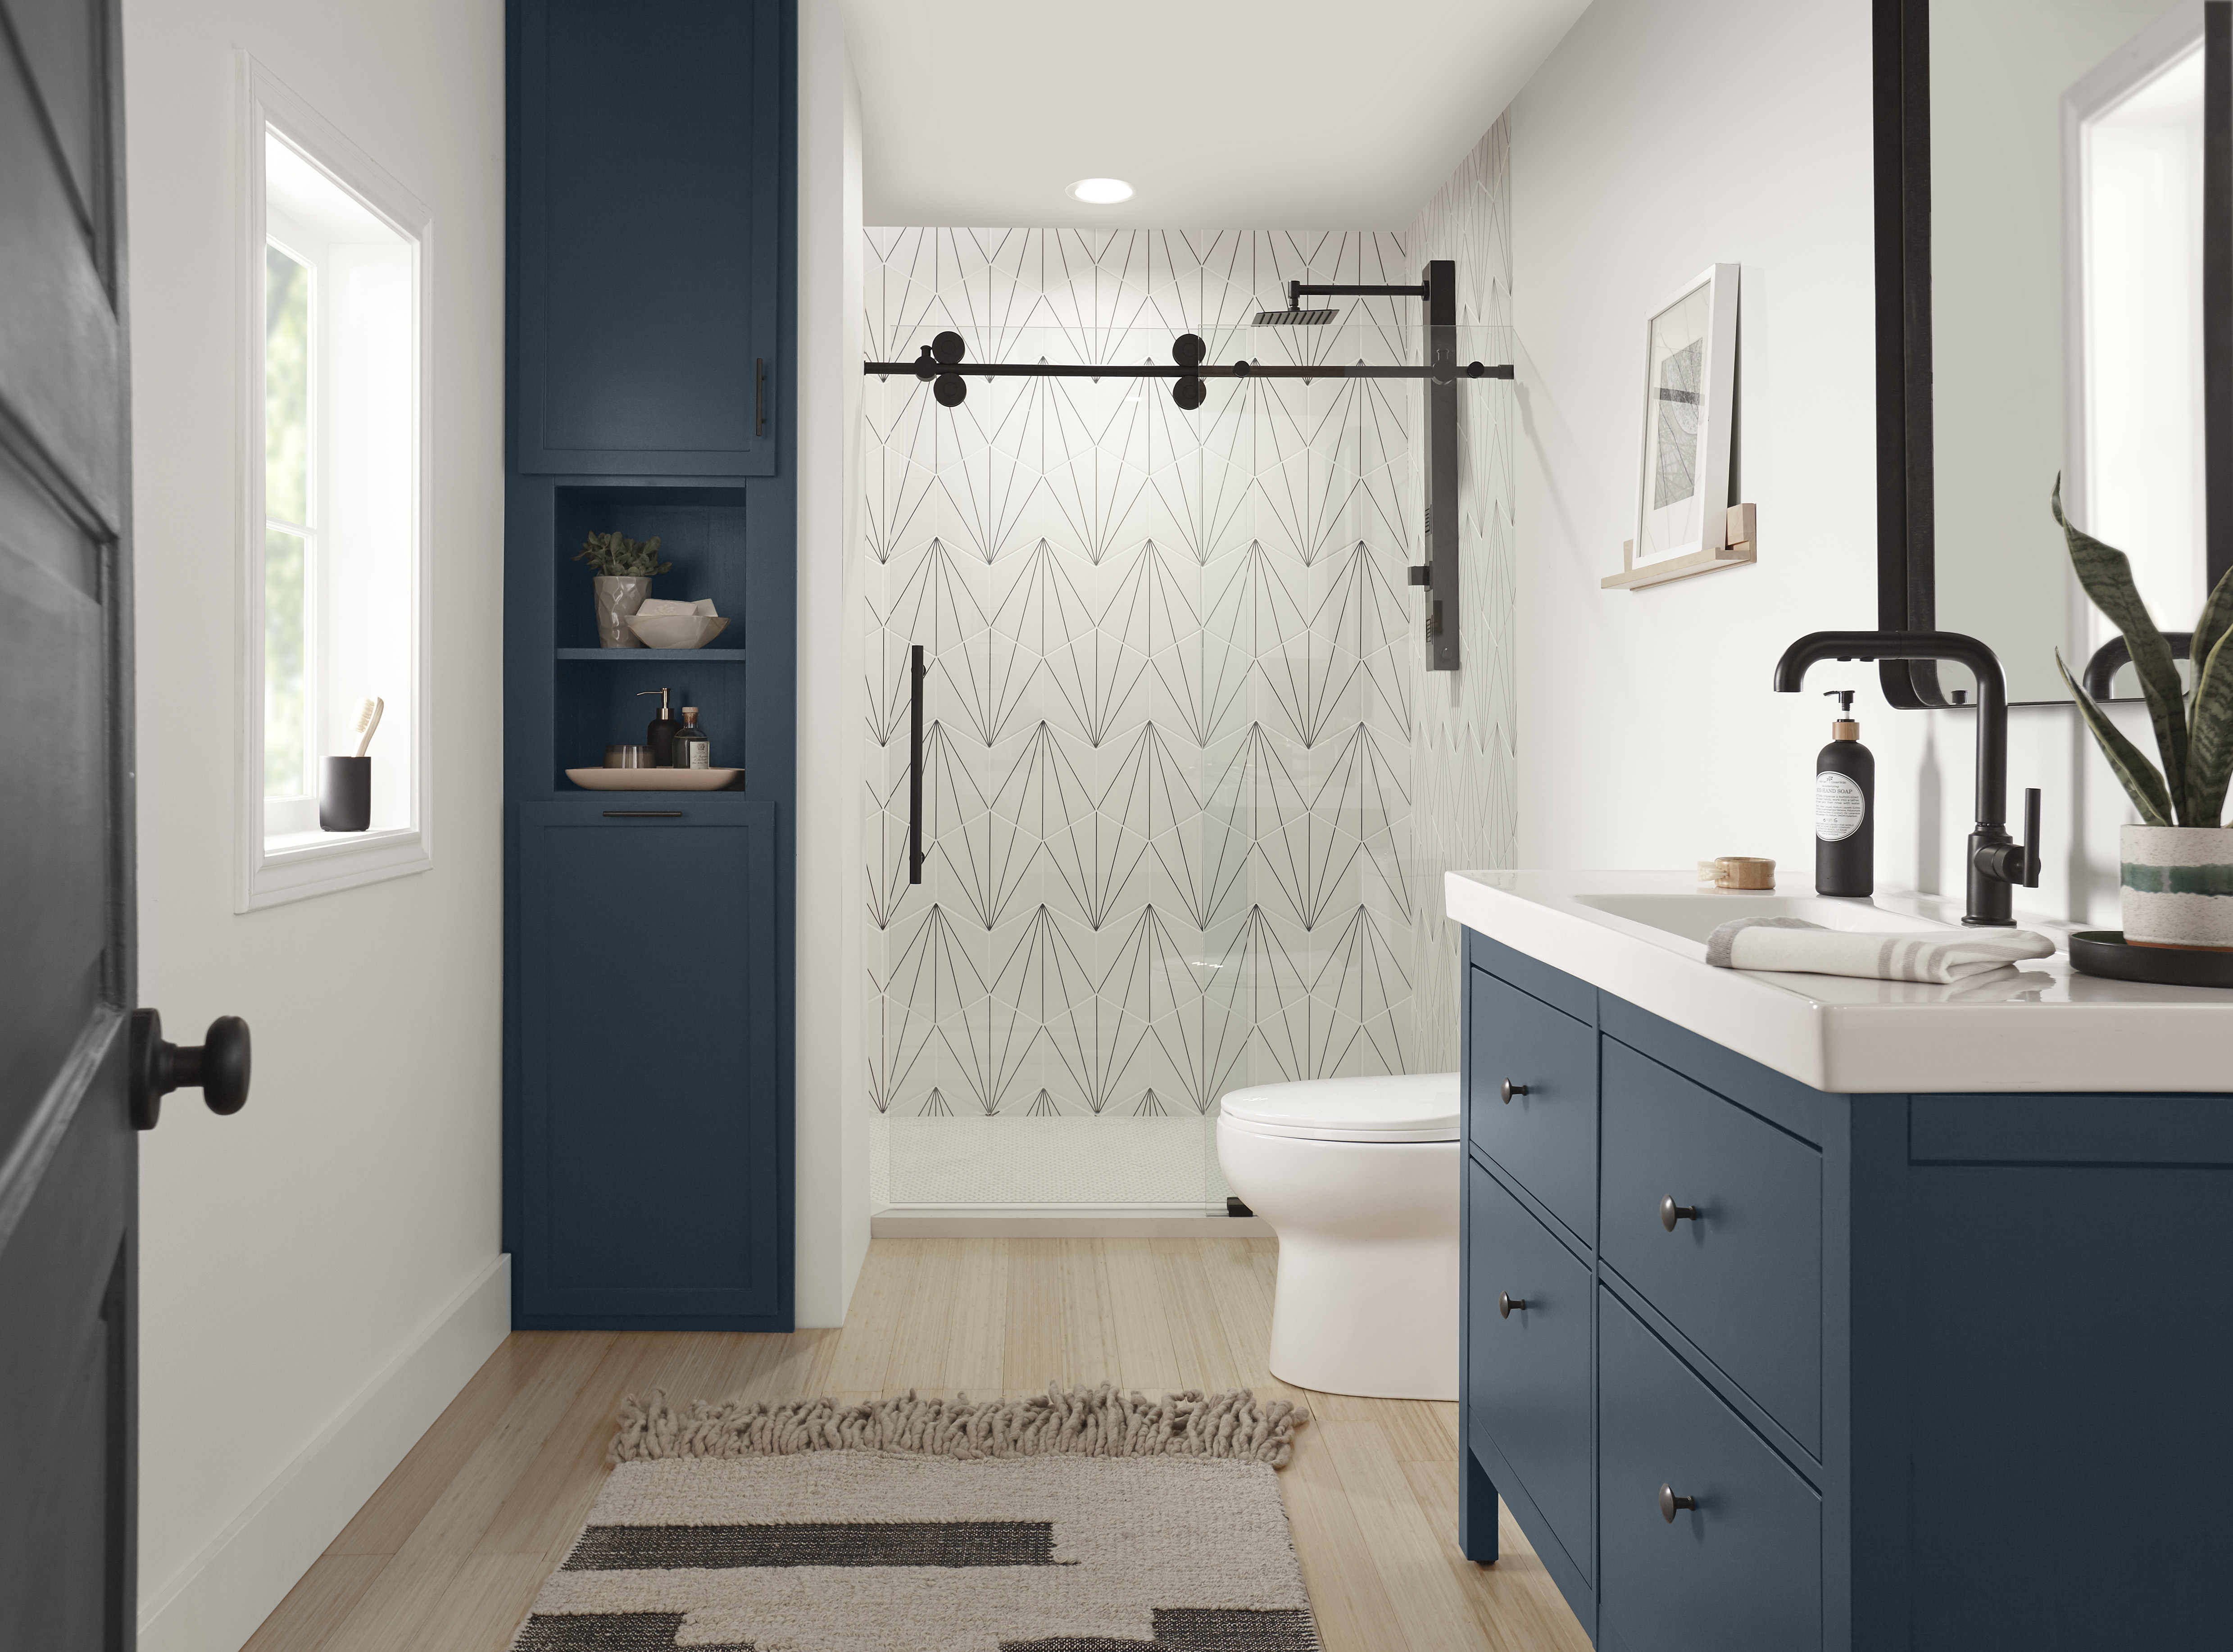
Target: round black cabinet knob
point(1668, 1503)
point(219, 1066)
point(1670, 1212)
point(1506, 1304)
point(1507, 1089)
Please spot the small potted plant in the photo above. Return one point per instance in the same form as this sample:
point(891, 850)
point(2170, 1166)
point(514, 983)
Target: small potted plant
point(2177, 865)
point(624, 569)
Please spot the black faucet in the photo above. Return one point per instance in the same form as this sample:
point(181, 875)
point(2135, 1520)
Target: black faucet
point(1997, 863)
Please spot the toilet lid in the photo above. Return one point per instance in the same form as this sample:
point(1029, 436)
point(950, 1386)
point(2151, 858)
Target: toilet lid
point(1407, 1107)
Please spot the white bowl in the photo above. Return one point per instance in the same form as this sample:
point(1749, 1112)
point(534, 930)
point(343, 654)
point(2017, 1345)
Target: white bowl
point(677, 630)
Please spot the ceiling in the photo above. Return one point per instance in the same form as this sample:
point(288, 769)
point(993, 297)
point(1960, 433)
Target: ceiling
point(1304, 115)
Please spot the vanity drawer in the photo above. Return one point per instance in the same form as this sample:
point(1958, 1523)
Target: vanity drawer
point(1527, 1373)
point(1743, 1570)
point(1546, 1138)
point(1743, 1278)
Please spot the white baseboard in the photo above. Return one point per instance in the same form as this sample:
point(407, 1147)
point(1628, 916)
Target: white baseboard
point(220, 1597)
point(1015, 1221)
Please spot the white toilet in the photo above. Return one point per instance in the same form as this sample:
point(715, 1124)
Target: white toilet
point(1360, 1179)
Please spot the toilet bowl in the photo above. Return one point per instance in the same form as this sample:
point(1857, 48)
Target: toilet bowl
point(1359, 1177)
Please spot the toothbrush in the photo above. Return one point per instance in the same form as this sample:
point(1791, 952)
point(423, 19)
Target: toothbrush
point(366, 721)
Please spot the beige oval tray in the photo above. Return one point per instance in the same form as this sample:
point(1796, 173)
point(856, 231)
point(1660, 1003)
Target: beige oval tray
point(652, 779)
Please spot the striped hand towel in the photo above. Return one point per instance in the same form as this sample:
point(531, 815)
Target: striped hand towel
point(1940, 956)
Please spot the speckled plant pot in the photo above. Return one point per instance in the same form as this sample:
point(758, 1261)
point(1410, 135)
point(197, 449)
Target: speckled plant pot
point(617, 598)
point(2177, 885)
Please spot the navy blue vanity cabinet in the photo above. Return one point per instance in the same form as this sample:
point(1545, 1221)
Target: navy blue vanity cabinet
point(649, 934)
point(651, 242)
point(653, 1186)
point(1930, 1373)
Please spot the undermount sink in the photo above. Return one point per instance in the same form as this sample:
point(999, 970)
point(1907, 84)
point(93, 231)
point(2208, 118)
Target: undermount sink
point(1694, 917)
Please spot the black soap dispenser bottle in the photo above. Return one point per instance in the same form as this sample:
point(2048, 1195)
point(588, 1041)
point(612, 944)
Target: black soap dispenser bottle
point(660, 737)
point(1845, 807)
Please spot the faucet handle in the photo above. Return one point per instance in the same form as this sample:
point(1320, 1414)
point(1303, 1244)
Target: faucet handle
point(2031, 838)
point(2011, 862)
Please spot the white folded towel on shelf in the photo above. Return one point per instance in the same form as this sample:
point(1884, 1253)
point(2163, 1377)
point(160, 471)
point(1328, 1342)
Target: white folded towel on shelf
point(1939, 956)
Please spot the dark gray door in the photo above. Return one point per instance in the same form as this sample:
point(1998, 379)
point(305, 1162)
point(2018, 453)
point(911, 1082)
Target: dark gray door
point(69, 1044)
point(67, 1159)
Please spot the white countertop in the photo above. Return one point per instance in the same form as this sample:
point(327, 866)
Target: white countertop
point(2042, 1027)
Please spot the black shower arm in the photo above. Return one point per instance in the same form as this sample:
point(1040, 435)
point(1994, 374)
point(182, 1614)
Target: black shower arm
point(1297, 288)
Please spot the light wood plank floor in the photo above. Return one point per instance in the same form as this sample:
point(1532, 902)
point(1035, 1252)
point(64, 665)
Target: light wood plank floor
point(448, 1553)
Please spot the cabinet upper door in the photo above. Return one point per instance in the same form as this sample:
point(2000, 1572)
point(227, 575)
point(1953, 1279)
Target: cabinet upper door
point(650, 225)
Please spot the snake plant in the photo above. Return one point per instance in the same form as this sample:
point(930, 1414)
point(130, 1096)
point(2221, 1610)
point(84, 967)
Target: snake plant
point(2195, 738)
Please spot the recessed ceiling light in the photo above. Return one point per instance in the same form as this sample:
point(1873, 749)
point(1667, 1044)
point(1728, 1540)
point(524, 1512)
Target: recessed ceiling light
point(1101, 191)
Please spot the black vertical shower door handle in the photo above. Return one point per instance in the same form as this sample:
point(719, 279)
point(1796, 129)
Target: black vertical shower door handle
point(916, 672)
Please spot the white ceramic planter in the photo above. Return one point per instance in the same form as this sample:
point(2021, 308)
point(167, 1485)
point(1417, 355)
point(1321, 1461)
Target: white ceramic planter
point(2178, 885)
point(617, 599)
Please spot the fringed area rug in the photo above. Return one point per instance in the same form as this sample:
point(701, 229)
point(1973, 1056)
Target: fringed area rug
point(1086, 1522)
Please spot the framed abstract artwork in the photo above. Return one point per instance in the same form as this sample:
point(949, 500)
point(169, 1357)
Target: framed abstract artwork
point(1689, 396)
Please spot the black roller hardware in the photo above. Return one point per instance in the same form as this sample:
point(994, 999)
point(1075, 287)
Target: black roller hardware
point(218, 1067)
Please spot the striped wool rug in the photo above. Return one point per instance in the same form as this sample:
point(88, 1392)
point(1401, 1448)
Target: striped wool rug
point(1086, 1522)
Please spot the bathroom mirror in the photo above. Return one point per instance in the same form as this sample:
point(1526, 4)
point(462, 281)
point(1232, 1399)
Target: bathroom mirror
point(2047, 206)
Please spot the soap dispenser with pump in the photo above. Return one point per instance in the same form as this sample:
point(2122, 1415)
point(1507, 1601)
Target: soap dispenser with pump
point(1845, 807)
point(660, 737)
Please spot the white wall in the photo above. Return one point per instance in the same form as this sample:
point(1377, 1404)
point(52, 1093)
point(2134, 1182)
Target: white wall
point(320, 1273)
point(1647, 734)
point(832, 1226)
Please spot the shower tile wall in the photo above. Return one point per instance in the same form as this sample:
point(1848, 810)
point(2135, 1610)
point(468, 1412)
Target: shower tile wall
point(1465, 801)
point(1170, 713)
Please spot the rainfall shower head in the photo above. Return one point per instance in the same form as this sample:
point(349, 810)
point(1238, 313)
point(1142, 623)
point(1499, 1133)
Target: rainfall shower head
point(1295, 317)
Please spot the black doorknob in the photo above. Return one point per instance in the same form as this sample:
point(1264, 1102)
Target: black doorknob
point(217, 1066)
point(1507, 1089)
point(1506, 1304)
point(1670, 1212)
point(1668, 1503)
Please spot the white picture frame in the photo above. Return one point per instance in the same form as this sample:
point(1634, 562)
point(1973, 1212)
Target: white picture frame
point(1689, 384)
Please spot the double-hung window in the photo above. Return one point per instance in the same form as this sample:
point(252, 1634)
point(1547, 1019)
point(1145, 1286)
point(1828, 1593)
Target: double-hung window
point(334, 544)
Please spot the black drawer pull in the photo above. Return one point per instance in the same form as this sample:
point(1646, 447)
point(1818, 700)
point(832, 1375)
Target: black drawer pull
point(1507, 1089)
point(1670, 1213)
point(1668, 1503)
point(643, 814)
point(1506, 1304)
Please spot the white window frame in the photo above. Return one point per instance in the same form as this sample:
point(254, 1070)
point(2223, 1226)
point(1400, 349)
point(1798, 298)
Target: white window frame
point(266, 874)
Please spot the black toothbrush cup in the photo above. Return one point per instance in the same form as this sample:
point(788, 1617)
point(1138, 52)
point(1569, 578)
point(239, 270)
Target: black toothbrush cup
point(345, 783)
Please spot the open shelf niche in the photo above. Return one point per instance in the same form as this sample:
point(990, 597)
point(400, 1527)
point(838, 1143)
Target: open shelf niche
point(599, 695)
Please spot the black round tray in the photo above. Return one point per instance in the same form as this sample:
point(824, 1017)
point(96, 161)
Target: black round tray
point(2105, 951)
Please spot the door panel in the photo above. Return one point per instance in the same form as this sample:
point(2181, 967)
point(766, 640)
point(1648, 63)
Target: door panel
point(1527, 1373)
point(68, 1157)
point(648, 312)
point(652, 1185)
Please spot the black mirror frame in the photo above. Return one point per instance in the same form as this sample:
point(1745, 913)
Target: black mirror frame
point(1906, 550)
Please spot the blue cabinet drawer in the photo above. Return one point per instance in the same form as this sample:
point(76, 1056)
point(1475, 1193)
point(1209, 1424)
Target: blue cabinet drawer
point(1743, 1278)
point(1527, 1373)
point(1546, 1137)
point(1743, 1570)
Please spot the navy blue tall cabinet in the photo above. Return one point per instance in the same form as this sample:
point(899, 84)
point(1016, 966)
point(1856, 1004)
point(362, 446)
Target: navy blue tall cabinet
point(652, 362)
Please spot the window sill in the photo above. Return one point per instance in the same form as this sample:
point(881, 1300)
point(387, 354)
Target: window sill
point(298, 866)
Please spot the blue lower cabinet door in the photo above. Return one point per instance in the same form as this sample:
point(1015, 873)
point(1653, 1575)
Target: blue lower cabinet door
point(652, 1169)
point(1527, 1366)
point(1739, 1567)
